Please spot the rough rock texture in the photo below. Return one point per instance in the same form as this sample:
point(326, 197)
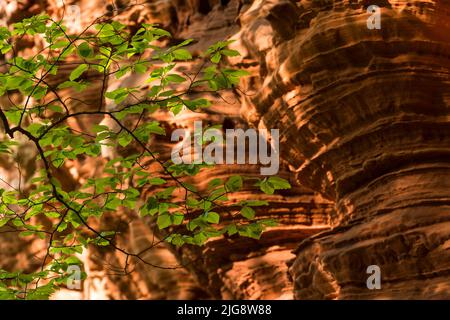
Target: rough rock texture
point(364, 119)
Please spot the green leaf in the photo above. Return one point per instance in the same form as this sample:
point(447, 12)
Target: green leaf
point(268, 222)
point(3, 221)
point(163, 221)
point(59, 44)
point(200, 238)
point(122, 71)
point(166, 194)
point(72, 260)
point(176, 109)
point(279, 183)
point(13, 115)
point(84, 50)
point(248, 212)
point(140, 68)
point(62, 227)
point(197, 103)
point(176, 240)
point(75, 74)
point(56, 108)
point(175, 78)
point(235, 73)
point(256, 203)
point(214, 183)
point(35, 128)
point(230, 53)
point(266, 187)
point(182, 54)
point(156, 181)
point(41, 293)
point(52, 214)
point(212, 217)
point(177, 218)
point(102, 242)
point(26, 233)
point(73, 84)
point(231, 229)
point(125, 139)
point(154, 127)
point(234, 183)
point(39, 92)
point(118, 95)
point(216, 57)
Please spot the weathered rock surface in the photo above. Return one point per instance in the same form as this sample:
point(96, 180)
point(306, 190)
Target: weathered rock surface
point(364, 119)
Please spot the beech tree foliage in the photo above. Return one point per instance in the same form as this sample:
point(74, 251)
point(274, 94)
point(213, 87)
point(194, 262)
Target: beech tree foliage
point(108, 49)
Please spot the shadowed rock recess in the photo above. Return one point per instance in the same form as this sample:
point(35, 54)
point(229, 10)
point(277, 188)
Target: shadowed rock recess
point(364, 119)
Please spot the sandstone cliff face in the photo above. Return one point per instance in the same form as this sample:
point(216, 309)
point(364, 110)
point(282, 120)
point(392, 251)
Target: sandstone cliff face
point(364, 121)
point(365, 115)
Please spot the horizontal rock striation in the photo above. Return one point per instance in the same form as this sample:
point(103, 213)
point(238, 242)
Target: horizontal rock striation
point(365, 117)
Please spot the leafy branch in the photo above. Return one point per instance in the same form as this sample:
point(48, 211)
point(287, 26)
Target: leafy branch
point(101, 52)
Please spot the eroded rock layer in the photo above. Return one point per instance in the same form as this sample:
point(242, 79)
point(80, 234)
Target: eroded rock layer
point(364, 120)
point(365, 117)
